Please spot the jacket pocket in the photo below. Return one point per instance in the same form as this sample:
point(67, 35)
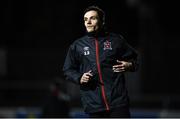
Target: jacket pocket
point(90, 99)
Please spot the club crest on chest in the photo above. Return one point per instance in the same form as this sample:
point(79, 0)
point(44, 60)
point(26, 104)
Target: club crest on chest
point(107, 45)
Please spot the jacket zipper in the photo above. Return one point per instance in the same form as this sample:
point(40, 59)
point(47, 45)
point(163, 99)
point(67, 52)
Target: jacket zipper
point(100, 75)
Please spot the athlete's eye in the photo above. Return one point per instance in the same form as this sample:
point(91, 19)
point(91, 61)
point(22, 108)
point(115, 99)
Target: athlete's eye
point(93, 18)
point(85, 19)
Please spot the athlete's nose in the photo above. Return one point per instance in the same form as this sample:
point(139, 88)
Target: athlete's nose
point(88, 21)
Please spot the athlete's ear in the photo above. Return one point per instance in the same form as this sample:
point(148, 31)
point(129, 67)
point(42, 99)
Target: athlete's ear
point(103, 22)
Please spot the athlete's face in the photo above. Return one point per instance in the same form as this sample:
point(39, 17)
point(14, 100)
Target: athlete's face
point(91, 21)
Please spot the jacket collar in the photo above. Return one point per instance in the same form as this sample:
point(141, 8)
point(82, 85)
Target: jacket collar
point(100, 33)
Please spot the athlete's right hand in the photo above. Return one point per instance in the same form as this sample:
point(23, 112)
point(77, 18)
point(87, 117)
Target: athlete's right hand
point(86, 77)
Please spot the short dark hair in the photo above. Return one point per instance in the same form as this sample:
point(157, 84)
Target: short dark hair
point(100, 12)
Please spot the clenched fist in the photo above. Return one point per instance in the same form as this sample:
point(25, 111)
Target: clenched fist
point(86, 77)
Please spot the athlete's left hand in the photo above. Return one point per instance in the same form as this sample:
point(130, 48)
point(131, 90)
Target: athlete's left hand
point(121, 66)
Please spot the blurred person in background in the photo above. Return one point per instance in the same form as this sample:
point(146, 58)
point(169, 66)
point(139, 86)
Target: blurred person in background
point(97, 62)
point(56, 103)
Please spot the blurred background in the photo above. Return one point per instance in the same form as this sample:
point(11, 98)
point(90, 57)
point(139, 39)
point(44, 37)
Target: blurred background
point(36, 34)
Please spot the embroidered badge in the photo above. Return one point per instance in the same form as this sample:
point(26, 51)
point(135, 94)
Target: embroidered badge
point(107, 45)
point(86, 51)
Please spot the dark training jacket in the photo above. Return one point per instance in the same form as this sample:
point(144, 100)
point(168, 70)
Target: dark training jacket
point(106, 89)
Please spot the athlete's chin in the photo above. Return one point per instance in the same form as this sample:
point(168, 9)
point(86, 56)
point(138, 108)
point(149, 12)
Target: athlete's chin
point(90, 31)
